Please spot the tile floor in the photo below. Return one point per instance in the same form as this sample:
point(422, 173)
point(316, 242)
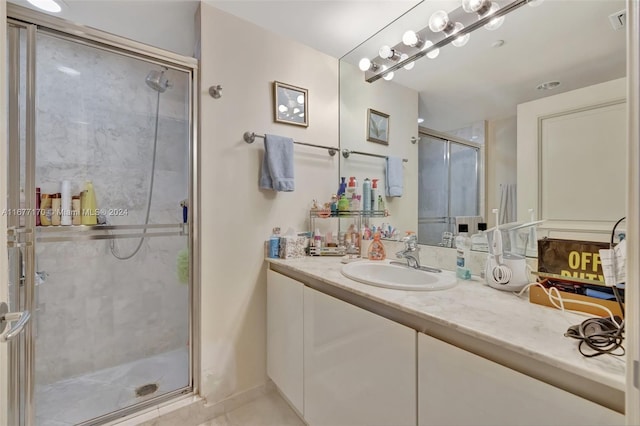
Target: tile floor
point(267, 410)
point(71, 401)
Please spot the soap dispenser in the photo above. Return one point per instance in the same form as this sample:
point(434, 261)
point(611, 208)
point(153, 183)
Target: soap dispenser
point(376, 249)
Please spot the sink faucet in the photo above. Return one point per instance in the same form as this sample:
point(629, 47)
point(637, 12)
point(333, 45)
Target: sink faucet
point(411, 251)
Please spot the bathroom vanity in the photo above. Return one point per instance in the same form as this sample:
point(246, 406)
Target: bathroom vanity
point(343, 352)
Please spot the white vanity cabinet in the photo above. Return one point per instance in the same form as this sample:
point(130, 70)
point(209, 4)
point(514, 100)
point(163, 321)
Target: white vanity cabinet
point(284, 336)
point(359, 368)
point(456, 387)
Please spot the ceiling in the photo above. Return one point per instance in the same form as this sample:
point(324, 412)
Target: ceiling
point(331, 26)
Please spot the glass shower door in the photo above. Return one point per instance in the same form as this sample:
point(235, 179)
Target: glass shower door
point(104, 264)
point(113, 134)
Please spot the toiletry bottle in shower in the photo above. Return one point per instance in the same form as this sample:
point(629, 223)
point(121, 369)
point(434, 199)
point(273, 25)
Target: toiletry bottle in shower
point(55, 209)
point(88, 205)
point(75, 210)
point(45, 209)
point(65, 203)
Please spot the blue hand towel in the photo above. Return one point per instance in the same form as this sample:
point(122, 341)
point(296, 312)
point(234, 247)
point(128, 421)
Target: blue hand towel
point(277, 164)
point(395, 177)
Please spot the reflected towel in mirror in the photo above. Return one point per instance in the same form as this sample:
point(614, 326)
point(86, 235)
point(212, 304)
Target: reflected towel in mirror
point(394, 177)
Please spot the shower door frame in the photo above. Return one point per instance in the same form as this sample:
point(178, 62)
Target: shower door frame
point(34, 22)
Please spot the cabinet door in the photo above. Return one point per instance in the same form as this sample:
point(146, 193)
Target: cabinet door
point(456, 387)
point(284, 336)
point(359, 368)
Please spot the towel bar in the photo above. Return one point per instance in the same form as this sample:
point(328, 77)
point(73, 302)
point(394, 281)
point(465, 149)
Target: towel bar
point(250, 137)
point(346, 153)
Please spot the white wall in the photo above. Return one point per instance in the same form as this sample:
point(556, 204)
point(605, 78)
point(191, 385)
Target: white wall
point(501, 161)
point(356, 96)
point(236, 216)
point(593, 222)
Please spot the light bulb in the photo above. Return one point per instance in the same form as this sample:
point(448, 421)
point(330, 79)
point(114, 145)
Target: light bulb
point(282, 108)
point(535, 3)
point(385, 52)
point(296, 110)
point(471, 6)
point(462, 40)
point(495, 23)
point(46, 5)
point(410, 65)
point(410, 38)
point(434, 53)
point(364, 64)
point(388, 76)
point(438, 21)
point(300, 99)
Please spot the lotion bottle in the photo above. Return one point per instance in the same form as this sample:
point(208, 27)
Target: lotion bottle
point(88, 205)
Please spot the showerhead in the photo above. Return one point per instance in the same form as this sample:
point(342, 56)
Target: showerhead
point(157, 81)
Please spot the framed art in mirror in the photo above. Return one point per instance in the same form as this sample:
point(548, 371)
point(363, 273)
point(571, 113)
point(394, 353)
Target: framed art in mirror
point(377, 127)
point(290, 104)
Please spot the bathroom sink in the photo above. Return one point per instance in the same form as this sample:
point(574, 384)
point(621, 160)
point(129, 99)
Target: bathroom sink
point(384, 274)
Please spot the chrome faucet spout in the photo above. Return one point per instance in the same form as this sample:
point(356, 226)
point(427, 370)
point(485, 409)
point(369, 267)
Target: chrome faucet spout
point(411, 251)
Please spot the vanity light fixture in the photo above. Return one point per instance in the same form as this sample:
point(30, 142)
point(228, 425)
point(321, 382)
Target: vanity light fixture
point(443, 28)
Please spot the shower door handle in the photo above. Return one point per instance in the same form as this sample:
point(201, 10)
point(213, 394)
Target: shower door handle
point(20, 318)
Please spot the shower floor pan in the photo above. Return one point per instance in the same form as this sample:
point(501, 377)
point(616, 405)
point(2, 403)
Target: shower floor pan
point(78, 399)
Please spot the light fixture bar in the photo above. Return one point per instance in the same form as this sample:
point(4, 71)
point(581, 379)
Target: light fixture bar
point(371, 76)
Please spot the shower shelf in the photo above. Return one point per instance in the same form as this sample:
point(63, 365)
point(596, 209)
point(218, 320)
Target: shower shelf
point(53, 234)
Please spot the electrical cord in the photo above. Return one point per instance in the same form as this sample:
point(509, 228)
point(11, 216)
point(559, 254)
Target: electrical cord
point(601, 335)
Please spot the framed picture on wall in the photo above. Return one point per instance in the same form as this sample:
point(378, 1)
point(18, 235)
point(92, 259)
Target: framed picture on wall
point(290, 104)
point(377, 127)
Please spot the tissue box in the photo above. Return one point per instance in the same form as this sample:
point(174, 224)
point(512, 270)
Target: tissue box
point(293, 247)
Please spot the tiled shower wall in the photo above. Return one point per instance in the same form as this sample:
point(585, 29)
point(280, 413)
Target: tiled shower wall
point(95, 121)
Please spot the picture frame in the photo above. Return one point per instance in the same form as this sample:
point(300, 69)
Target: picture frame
point(377, 127)
point(290, 104)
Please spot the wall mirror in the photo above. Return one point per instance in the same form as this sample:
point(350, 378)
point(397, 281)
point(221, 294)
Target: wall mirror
point(464, 107)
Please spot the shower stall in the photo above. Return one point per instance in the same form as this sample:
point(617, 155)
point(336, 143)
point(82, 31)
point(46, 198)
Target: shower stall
point(101, 130)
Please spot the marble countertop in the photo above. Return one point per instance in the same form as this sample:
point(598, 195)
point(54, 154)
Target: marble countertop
point(477, 310)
